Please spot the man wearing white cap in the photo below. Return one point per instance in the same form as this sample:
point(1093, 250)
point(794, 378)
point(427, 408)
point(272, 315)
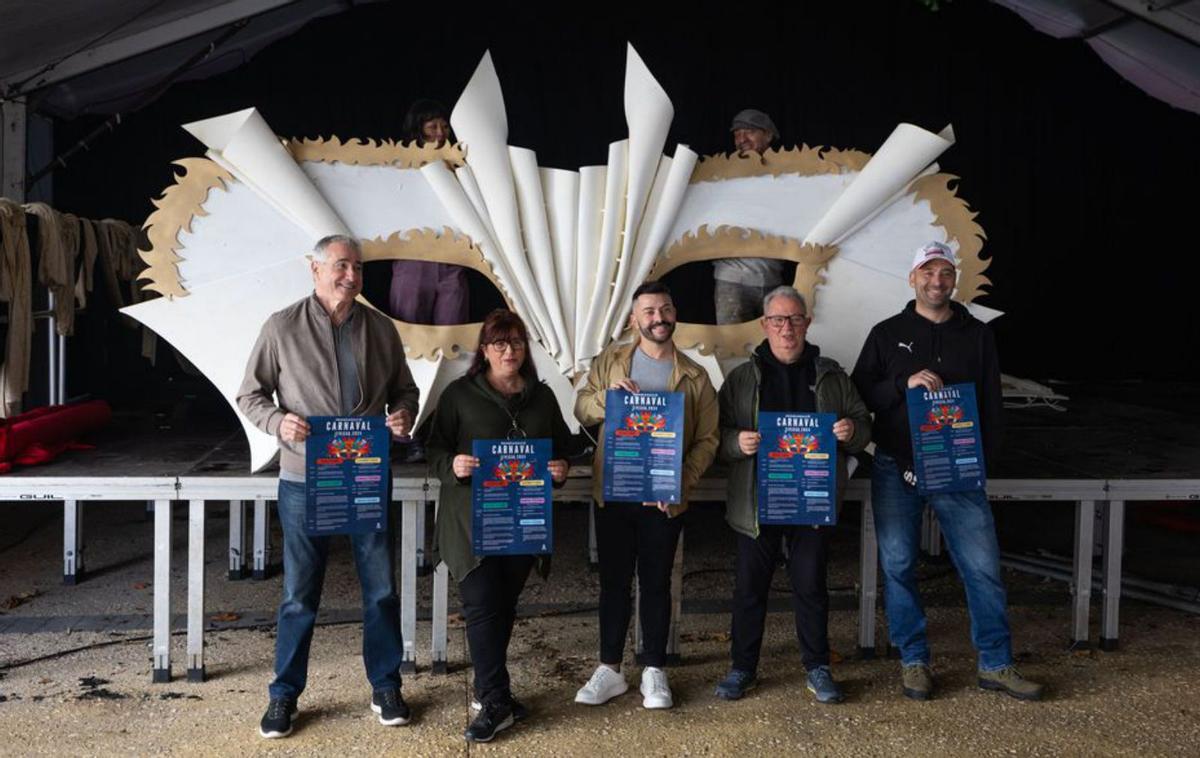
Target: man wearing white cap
point(934, 342)
point(742, 283)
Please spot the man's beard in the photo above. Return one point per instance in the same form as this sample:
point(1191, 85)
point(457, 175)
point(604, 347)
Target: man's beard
point(648, 331)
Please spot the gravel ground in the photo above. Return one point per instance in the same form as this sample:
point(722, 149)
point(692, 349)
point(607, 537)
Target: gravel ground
point(1143, 699)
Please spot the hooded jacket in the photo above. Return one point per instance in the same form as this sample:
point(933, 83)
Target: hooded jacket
point(739, 400)
point(471, 409)
point(959, 350)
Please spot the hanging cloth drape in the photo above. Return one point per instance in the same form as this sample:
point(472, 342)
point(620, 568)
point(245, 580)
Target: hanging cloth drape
point(15, 282)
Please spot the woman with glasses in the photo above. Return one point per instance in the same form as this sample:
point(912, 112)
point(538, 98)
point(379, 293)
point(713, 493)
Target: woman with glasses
point(499, 398)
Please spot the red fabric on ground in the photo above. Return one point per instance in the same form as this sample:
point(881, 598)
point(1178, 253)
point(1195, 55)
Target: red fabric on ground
point(42, 434)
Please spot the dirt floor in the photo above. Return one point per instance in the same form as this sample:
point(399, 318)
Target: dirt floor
point(1143, 699)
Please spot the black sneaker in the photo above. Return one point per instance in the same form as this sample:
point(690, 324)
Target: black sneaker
point(495, 716)
point(519, 711)
point(390, 706)
point(277, 721)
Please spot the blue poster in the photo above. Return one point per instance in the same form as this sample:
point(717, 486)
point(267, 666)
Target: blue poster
point(346, 474)
point(511, 497)
point(643, 446)
point(946, 439)
point(797, 469)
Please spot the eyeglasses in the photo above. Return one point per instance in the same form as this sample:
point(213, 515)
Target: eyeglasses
point(777, 322)
point(503, 345)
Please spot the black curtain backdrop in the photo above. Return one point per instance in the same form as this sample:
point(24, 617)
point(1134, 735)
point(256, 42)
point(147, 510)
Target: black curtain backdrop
point(1082, 182)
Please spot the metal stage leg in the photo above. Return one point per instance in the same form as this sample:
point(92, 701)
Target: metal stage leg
point(262, 539)
point(868, 561)
point(673, 656)
point(408, 582)
point(441, 598)
point(52, 397)
point(195, 591)
point(1114, 545)
point(162, 591)
point(72, 541)
point(61, 379)
point(676, 604)
point(423, 567)
point(237, 540)
point(1081, 587)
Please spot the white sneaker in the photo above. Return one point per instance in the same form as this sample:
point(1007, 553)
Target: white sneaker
point(656, 693)
point(604, 685)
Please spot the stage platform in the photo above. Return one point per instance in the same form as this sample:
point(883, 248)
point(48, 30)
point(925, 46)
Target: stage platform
point(1116, 444)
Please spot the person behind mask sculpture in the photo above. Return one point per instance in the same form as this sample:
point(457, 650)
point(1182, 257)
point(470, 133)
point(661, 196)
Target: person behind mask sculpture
point(427, 292)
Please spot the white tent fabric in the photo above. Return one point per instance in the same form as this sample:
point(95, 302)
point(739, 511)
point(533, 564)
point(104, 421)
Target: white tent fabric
point(80, 56)
point(1159, 53)
point(1155, 45)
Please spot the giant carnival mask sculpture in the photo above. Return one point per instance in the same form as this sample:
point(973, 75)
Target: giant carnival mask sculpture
point(230, 238)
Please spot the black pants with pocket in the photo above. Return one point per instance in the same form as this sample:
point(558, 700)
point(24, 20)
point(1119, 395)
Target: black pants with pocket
point(808, 553)
point(629, 536)
point(489, 597)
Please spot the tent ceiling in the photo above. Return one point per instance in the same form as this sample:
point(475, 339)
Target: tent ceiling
point(83, 56)
point(1155, 44)
point(42, 42)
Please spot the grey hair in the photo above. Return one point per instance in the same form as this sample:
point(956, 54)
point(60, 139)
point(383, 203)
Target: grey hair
point(323, 244)
point(788, 292)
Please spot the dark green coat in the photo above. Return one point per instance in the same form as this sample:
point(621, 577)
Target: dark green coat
point(739, 411)
point(471, 409)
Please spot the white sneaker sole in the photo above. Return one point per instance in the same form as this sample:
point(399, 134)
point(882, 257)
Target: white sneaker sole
point(401, 721)
point(655, 704)
point(279, 735)
point(586, 699)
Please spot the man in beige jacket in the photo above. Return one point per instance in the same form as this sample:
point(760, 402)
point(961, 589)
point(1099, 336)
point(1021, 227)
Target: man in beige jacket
point(644, 535)
point(327, 355)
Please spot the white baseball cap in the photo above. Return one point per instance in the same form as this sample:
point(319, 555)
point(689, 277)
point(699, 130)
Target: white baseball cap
point(933, 251)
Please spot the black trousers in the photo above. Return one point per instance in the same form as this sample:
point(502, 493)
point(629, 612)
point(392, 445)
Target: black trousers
point(808, 551)
point(489, 597)
point(629, 536)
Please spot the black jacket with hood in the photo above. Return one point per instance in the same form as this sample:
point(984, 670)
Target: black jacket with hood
point(959, 350)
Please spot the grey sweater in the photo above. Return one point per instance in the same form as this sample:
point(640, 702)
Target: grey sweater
point(293, 369)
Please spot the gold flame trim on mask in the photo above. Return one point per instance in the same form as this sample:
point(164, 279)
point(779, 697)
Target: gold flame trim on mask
point(802, 161)
point(732, 340)
point(179, 204)
point(953, 214)
point(430, 245)
point(374, 152)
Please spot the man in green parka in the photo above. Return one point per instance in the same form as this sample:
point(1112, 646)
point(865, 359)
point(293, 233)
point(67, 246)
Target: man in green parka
point(784, 374)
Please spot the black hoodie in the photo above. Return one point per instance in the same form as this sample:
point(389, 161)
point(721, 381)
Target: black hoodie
point(960, 349)
point(787, 386)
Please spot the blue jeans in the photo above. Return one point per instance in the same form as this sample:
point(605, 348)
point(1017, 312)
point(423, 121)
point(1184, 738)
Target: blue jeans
point(304, 560)
point(966, 521)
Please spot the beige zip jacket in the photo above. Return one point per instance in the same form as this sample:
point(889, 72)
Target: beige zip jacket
point(293, 369)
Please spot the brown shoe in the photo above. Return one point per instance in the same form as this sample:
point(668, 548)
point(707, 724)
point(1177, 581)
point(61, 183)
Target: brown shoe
point(1010, 681)
point(917, 681)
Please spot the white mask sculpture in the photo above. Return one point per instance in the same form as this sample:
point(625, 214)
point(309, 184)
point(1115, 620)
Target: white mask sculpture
point(230, 240)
